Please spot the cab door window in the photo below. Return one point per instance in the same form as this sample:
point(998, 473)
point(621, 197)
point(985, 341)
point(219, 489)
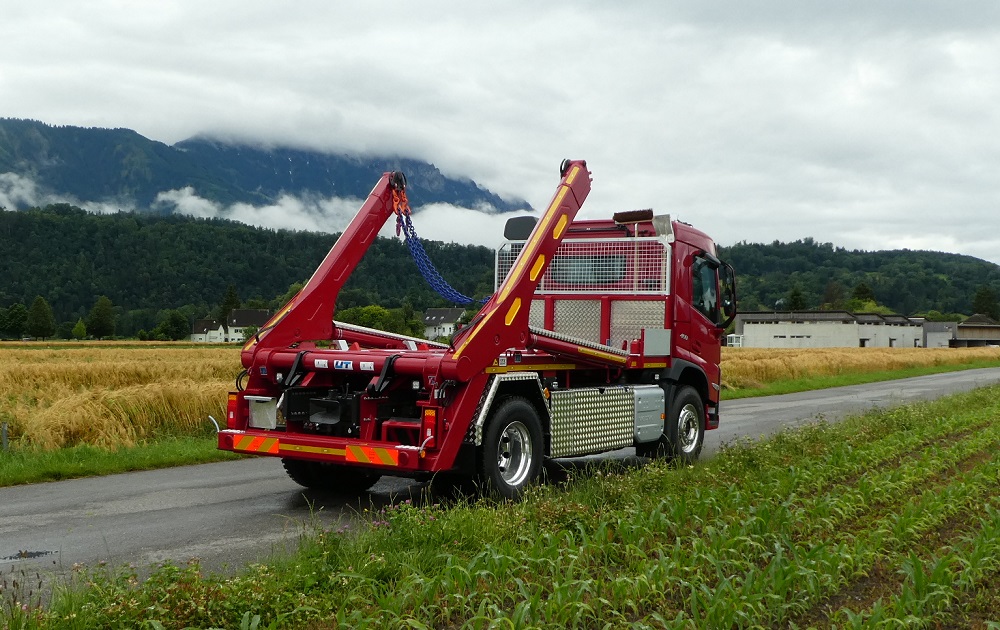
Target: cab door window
point(704, 288)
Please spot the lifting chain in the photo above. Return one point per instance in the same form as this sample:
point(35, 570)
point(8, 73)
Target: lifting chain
point(404, 224)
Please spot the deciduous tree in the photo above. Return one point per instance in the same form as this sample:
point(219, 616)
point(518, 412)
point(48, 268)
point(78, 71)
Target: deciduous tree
point(985, 302)
point(101, 320)
point(175, 326)
point(13, 321)
point(41, 323)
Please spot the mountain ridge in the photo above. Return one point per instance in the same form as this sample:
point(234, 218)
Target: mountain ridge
point(120, 167)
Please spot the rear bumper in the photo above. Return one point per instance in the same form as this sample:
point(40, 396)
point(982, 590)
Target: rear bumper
point(383, 455)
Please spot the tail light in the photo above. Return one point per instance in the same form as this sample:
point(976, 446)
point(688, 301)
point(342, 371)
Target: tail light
point(231, 406)
point(429, 428)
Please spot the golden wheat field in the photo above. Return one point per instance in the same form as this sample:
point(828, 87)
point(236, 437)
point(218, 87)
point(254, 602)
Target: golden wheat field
point(111, 395)
point(748, 368)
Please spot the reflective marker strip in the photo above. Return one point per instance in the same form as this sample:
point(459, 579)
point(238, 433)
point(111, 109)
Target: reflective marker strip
point(603, 355)
point(530, 367)
point(372, 455)
point(320, 450)
point(256, 444)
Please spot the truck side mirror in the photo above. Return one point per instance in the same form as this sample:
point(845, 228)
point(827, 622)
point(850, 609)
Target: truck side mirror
point(727, 294)
point(519, 228)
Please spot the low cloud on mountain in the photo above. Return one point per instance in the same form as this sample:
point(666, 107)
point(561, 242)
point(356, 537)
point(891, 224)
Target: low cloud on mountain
point(439, 221)
point(313, 213)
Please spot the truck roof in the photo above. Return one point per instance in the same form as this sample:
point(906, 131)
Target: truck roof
point(688, 234)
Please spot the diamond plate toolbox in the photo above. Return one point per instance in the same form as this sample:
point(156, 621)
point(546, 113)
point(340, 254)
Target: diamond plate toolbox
point(592, 420)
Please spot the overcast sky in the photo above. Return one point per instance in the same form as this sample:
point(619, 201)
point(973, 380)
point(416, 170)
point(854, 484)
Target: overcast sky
point(868, 125)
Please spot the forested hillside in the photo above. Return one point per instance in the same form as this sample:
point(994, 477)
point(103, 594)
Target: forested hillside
point(905, 281)
point(148, 263)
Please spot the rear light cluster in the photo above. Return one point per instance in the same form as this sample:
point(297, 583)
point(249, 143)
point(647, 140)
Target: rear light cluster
point(428, 428)
point(231, 412)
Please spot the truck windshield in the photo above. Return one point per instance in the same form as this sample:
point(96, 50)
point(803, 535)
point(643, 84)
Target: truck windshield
point(587, 270)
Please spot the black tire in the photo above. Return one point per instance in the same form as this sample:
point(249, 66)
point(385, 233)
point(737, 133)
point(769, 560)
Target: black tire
point(448, 485)
point(652, 450)
point(329, 477)
point(512, 450)
point(684, 431)
point(686, 426)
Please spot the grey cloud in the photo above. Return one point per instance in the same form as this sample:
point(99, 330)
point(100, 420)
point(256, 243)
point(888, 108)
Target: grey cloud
point(853, 122)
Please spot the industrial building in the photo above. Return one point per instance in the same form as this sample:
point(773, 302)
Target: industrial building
point(841, 329)
point(827, 329)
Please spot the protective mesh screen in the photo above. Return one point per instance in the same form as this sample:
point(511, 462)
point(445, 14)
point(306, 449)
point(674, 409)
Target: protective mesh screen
point(605, 266)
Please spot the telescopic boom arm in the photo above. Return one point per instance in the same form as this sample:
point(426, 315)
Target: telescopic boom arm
point(503, 321)
point(309, 315)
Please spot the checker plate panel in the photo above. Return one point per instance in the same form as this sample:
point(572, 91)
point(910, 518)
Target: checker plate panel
point(592, 420)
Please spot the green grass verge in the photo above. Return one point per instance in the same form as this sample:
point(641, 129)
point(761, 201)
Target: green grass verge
point(853, 378)
point(29, 466)
point(886, 519)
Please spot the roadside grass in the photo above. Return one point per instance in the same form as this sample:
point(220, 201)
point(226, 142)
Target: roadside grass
point(886, 519)
point(33, 466)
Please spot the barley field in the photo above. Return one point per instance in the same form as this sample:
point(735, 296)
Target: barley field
point(56, 395)
point(111, 395)
point(749, 368)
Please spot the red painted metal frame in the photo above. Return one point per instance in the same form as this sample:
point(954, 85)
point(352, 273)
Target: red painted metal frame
point(503, 321)
point(457, 374)
point(308, 315)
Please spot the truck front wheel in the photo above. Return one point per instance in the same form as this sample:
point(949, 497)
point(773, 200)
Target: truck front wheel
point(511, 455)
point(686, 425)
point(329, 477)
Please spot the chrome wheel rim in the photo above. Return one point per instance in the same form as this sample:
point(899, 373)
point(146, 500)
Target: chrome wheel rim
point(514, 453)
point(687, 428)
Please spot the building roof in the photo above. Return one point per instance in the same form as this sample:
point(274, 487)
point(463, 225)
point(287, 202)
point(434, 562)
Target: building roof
point(979, 320)
point(203, 326)
point(243, 317)
point(438, 316)
point(900, 319)
point(775, 317)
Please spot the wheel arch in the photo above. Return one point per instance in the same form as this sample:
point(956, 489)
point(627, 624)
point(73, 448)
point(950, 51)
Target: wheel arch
point(683, 373)
point(526, 385)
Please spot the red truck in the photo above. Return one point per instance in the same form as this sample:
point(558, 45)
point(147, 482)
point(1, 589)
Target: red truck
point(602, 334)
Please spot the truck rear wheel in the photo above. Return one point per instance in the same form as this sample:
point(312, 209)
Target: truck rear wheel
point(511, 455)
point(683, 432)
point(329, 477)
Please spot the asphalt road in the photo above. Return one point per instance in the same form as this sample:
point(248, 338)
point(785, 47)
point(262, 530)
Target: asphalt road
point(234, 513)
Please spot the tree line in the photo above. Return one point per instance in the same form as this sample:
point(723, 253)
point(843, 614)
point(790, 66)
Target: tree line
point(152, 267)
point(805, 275)
point(150, 276)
